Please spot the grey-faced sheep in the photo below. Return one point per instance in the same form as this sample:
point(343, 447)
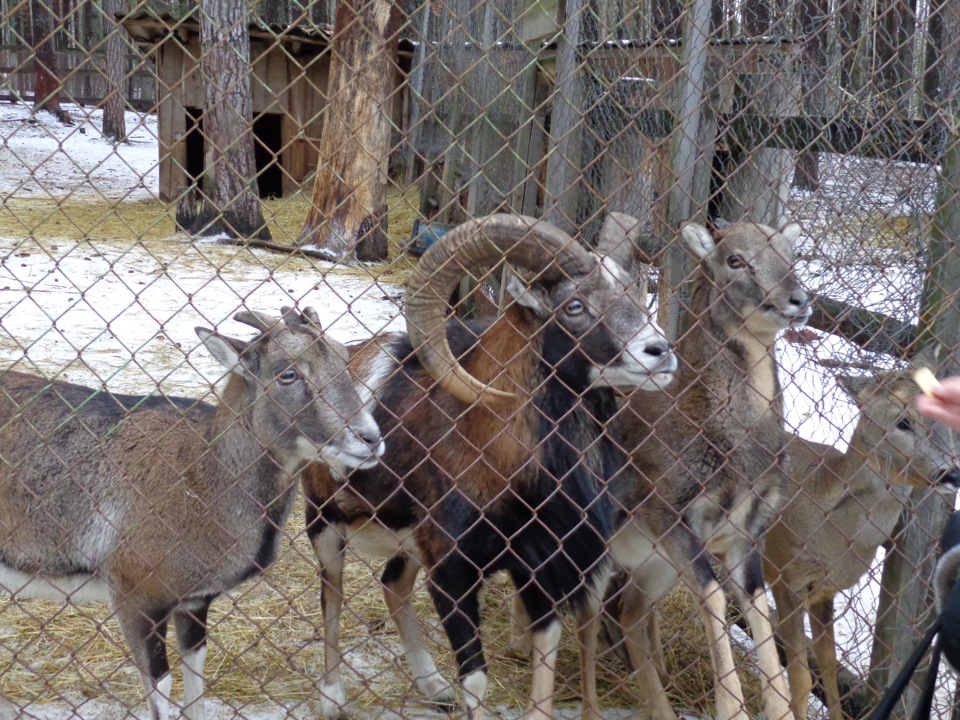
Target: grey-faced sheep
point(709, 462)
point(157, 505)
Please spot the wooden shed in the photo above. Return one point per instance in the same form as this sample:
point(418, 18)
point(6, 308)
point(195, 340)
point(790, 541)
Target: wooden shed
point(289, 81)
point(288, 87)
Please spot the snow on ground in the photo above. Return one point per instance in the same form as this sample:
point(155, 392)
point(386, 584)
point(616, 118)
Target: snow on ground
point(122, 313)
point(43, 158)
point(99, 312)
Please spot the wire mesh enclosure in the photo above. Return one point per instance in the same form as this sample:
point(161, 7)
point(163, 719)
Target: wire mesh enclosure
point(515, 357)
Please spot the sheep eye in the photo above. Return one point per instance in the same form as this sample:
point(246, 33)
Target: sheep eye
point(574, 307)
point(288, 377)
point(904, 424)
point(736, 262)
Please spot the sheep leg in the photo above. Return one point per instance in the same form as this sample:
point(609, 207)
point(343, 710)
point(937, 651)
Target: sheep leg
point(747, 574)
point(454, 587)
point(825, 651)
point(543, 658)
point(398, 580)
point(329, 547)
point(790, 612)
point(520, 628)
point(191, 629)
point(588, 631)
point(545, 643)
point(641, 635)
point(686, 552)
point(146, 636)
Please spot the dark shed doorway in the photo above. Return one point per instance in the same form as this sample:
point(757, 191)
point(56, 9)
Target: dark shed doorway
point(267, 147)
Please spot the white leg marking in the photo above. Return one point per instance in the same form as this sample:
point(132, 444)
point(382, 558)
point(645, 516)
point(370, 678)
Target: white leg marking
point(426, 677)
point(333, 701)
point(773, 688)
point(328, 546)
point(193, 662)
point(546, 644)
point(474, 693)
point(159, 698)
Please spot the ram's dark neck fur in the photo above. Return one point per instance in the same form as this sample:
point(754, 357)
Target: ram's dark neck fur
point(571, 457)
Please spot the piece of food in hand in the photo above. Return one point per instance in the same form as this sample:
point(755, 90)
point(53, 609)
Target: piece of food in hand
point(926, 380)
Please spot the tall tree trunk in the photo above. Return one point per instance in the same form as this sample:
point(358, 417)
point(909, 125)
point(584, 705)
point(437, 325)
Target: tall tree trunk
point(231, 200)
point(814, 25)
point(46, 83)
point(114, 71)
point(564, 153)
point(349, 210)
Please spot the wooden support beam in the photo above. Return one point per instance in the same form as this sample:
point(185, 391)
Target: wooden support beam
point(891, 138)
point(905, 604)
point(691, 148)
point(564, 152)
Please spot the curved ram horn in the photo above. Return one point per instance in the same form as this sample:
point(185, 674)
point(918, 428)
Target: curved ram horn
point(523, 241)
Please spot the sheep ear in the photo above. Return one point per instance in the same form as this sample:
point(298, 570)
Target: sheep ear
point(228, 351)
point(856, 386)
point(791, 231)
point(525, 295)
point(698, 239)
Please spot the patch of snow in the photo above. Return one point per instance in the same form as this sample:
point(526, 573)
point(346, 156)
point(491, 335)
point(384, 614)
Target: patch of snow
point(322, 250)
point(41, 157)
point(124, 315)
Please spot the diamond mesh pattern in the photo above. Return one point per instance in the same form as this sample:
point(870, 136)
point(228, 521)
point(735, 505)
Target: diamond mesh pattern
point(757, 200)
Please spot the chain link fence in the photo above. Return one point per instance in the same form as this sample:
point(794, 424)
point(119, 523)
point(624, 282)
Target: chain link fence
point(169, 165)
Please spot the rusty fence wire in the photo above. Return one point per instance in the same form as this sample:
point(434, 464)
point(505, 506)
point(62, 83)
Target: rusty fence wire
point(678, 359)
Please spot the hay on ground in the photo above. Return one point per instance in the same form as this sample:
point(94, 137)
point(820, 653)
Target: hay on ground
point(266, 643)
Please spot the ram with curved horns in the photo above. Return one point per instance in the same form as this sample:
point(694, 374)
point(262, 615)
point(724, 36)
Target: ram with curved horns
point(496, 453)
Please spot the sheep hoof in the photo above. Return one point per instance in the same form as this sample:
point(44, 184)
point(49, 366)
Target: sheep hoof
point(438, 692)
point(333, 703)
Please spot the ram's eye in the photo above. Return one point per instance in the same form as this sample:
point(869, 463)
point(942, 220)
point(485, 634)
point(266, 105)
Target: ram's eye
point(288, 376)
point(574, 307)
point(736, 262)
point(904, 424)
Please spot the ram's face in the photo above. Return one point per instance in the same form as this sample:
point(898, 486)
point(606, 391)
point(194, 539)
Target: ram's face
point(607, 322)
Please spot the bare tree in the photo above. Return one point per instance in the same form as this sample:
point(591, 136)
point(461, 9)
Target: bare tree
point(349, 210)
point(814, 26)
point(114, 66)
point(230, 198)
point(46, 83)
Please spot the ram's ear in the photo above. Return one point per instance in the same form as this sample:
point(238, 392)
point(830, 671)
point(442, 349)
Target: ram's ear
point(792, 232)
point(233, 354)
point(528, 296)
point(698, 239)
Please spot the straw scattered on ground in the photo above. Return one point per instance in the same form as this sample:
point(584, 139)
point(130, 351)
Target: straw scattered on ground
point(266, 643)
point(144, 222)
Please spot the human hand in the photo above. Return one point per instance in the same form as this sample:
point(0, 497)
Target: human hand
point(943, 405)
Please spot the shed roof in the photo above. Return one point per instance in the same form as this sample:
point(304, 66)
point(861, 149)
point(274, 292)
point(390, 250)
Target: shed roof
point(153, 26)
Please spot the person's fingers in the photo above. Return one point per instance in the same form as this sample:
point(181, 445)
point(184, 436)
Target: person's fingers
point(936, 410)
point(948, 390)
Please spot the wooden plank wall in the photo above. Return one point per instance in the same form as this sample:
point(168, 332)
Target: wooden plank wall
point(83, 83)
point(292, 85)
